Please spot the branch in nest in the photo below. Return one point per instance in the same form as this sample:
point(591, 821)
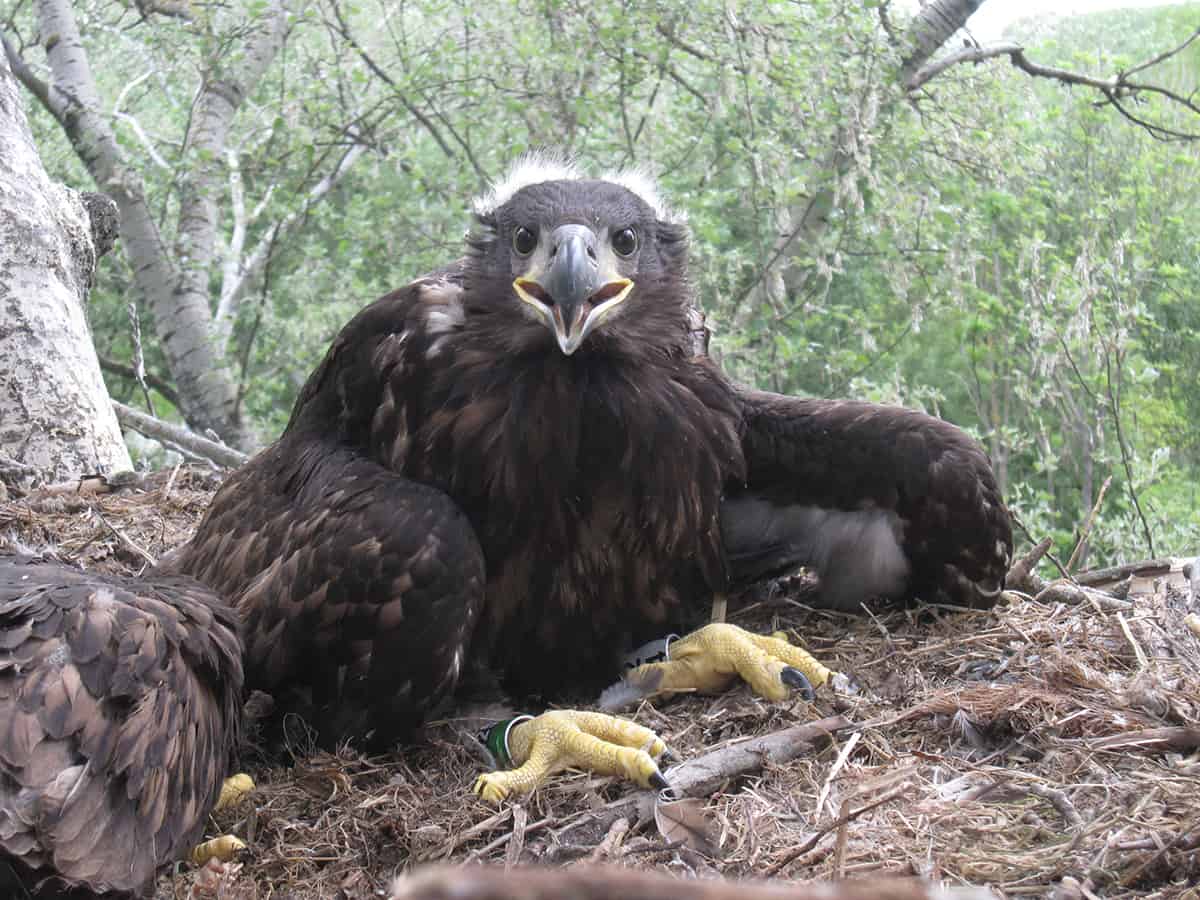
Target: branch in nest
point(701, 776)
point(1146, 568)
point(1077, 595)
point(705, 774)
point(1023, 575)
point(1173, 739)
point(165, 431)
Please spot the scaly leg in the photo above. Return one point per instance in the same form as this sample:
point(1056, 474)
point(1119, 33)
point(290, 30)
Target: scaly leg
point(710, 659)
point(225, 847)
point(567, 738)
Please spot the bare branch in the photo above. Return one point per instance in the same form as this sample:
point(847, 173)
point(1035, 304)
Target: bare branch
point(344, 30)
point(1114, 405)
point(165, 431)
point(135, 125)
point(45, 93)
point(125, 371)
point(1115, 89)
point(233, 289)
point(1162, 57)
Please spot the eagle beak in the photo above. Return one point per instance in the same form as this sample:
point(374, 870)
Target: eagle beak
point(572, 296)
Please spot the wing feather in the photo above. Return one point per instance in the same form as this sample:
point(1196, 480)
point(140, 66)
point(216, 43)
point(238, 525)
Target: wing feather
point(99, 678)
point(879, 498)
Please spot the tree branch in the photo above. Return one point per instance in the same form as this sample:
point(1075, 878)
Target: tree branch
point(189, 440)
point(344, 30)
point(1115, 88)
point(233, 289)
point(124, 371)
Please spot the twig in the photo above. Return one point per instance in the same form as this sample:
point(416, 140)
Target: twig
point(662, 847)
point(720, 604)
point(1135, 874)
point(1114, 89)
point(703, 775)
point(1075, 595)
point(505, 838)
point(1173, 738)
point(612, 840)
point(843, 833)
point(1059, 800)
point(139, 358)
point(1062, 570)
point(163, 387)
point(837, 766)
point(1087, 526)
point(1137, 648)
point(1114, 405)
point(780, 864)
point(125, 539)
point(516, 840)
point(487, 824)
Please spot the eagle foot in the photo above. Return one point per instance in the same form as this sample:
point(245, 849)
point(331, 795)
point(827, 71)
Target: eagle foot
point(570, 739)
point(710, 659)
point(233, 789)
point(224, 848)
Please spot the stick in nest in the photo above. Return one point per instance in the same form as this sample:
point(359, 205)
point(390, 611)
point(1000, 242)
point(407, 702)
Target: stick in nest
point(847, 816)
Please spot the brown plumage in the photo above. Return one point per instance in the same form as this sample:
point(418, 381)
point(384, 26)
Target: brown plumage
point(527, 461)
point(119, 706)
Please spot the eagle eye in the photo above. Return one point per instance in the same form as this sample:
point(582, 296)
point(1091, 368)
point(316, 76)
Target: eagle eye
point(625, 242)
point(524, 241)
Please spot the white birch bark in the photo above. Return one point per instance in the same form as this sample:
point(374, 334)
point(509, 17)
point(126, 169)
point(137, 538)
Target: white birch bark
point(55, 416)
point(174, 283)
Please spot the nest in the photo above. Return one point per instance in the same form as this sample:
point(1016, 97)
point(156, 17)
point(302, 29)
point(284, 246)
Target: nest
point(1036, 749)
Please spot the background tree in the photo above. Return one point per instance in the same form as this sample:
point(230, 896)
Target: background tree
point(55, 418)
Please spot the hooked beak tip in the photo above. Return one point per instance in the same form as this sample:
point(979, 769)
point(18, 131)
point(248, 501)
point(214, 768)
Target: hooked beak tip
point(585, 318)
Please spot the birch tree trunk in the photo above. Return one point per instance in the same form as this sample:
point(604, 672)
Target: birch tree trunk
point(173, 281)
point(56, 421)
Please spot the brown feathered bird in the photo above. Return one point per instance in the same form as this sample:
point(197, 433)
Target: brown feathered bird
point(119, 711)
point(526, 460)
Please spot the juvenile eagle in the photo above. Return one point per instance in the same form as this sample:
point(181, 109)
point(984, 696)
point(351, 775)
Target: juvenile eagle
point(119, 708)
point(526, 461)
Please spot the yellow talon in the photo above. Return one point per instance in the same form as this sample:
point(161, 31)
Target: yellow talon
point(567, 738)
point(490, 787)
point(234, 788)
point(224, 848)
point(710, 659)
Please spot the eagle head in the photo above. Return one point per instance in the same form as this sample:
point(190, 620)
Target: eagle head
point(579, 255)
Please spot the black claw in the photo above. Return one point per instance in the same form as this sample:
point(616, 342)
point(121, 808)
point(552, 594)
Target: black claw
point(794, 678)
point(659, 783)
point(667, 756)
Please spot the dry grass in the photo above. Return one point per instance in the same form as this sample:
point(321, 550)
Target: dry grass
point(995, 750)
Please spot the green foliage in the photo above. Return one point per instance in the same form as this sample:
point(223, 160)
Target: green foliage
point(1003, 251)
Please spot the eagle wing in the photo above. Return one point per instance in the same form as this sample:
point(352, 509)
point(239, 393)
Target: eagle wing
point(880, 500)
point(119, 712)
point(359, 587)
